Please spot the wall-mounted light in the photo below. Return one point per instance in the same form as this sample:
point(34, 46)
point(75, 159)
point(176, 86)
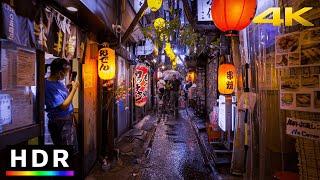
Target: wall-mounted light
point(72, 9)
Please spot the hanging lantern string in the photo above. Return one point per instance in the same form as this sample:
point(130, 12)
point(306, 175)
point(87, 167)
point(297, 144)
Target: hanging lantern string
point(104, 44)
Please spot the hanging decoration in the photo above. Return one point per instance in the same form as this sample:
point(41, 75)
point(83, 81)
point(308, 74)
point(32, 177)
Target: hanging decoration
point(141, 84)
point(231, 16)
point(191, 76)
point(226, 78)
point(154, 5)
point(169, 52)
point(159, 24)
point(106, 64)
point(174, 63)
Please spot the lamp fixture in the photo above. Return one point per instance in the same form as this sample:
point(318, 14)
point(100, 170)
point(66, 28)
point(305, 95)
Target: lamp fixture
point(72, 9)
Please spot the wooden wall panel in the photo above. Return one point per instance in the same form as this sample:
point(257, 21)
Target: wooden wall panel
point(90, 83)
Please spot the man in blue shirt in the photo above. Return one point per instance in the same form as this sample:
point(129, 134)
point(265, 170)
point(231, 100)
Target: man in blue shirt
point(58, 102)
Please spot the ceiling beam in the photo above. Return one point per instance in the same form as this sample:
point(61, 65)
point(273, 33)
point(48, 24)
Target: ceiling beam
point(188, 13)
point(134, 22)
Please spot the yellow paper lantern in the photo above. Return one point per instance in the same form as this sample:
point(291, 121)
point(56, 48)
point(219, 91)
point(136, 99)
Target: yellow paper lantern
point(154, 5)
point(226, 78)
point(106, 64)
point(159, 24)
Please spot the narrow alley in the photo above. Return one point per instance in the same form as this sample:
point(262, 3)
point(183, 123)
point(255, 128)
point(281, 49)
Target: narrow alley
point(173, 152)
point(160, 89)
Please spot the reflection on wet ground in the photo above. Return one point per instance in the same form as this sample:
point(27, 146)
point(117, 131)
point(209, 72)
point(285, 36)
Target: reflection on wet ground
point(175, 152)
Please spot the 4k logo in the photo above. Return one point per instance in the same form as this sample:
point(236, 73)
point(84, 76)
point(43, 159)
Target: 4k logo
point(276, 17)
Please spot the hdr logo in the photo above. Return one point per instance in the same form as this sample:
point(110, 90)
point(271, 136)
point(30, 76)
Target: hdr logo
point(38, 161)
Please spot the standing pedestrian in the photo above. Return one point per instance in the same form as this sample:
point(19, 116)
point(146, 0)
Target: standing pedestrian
point(58, 101)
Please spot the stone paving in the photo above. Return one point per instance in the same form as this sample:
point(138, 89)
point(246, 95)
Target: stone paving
point(157, 148)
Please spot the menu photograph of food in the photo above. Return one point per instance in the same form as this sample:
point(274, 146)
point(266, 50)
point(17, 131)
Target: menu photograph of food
point(311, 81)
point(282, 60)
point(310, 47)
point(286, 100)
point(290, 83)
point(294, 59)
point(303, 100)
point(287, 43)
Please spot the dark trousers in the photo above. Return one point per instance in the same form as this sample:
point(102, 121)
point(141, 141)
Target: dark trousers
point(63, 132)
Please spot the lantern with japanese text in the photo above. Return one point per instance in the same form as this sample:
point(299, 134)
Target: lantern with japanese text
point(159, 24)
point(106, 64)
point(154, 5)
point(231, 16)
point(191, 76)
point(141, 84)
point(226, 78)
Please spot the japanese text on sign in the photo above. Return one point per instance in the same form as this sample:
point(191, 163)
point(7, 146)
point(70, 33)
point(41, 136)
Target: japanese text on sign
point(141, 86)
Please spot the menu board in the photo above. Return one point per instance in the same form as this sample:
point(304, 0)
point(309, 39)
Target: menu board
point(26, 68)
point(5, 109)
point(297, 57)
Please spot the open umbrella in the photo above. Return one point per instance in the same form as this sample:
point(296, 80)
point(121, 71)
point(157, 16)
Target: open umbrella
point(168, 75)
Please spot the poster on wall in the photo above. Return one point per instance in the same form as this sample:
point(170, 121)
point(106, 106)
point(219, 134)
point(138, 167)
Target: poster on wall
point(204, 10)
point(26, 68)
point(141, 85)
point(297, 57)
point(303, 128)
point(5, 109)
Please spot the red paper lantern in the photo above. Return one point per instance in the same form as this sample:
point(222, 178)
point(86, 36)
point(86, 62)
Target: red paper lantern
point(231, 16)
point(141, 85)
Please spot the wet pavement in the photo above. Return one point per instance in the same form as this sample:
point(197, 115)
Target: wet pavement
point(157, 148)
point(175, 152)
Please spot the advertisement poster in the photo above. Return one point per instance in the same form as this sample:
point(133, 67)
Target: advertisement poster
point(5, 109)
point(26, 68)
point(297, 57)
point(303, 128)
